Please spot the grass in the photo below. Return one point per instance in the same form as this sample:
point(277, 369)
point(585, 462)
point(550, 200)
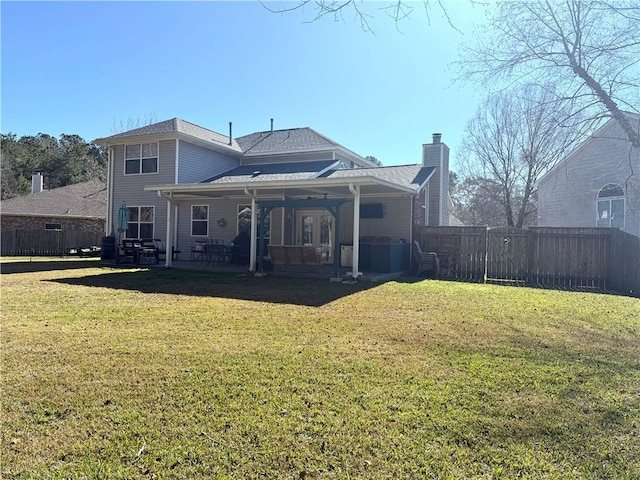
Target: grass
point(155, 374)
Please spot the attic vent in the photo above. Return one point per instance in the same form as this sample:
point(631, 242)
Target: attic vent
point(255, 174)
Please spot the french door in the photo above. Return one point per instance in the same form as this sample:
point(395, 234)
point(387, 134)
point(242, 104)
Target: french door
point(316, 228)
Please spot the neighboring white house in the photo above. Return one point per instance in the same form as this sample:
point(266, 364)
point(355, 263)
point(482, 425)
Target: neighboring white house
point(597, 185)
point(185, 183)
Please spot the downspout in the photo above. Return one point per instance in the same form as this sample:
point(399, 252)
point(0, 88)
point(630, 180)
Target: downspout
point(355, 190)
point(254, 229)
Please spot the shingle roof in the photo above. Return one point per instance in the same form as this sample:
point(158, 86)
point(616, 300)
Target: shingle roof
point(412, 176)
point(177, 125)
point(284, 141)
point(272, 172)
point(268, 142)
point(409, 176)
point(86, 199)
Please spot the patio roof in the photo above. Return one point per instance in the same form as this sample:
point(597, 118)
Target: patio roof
point(409, 179)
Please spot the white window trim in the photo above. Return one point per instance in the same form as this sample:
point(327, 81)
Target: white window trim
point(153, 222)
point(141, 158)
point(200, 220)
point(610, 199)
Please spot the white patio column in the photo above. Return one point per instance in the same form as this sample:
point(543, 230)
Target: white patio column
point(254, 233)
point(355, 190)
point(168, 256)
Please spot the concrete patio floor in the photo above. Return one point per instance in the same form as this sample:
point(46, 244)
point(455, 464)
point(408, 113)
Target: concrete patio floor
point(303, 271)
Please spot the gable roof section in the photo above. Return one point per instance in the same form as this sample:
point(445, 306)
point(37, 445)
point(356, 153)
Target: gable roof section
point(294, 140)
point(272, 172)
point(85, 200)
point(280, 141)
point(175, 126)
point(601, 132)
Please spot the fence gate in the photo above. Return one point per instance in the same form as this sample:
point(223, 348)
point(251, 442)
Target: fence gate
point(507, 254)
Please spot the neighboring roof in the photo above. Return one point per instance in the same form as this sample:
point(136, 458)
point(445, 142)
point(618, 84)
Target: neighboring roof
point(86, 200)
point(280, 141)
point(272, 171)
point(175, 125)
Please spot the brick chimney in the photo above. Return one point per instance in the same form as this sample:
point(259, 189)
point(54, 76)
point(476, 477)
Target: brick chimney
point(36, 183)
point(436, 154)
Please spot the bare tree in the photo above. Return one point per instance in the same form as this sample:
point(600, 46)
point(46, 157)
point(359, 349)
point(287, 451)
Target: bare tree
point(362, 12)
point(591, 48)
point(131, 123)
point(509, 143)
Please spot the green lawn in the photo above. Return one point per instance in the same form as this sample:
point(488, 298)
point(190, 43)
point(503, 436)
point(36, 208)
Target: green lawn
point(156, 374)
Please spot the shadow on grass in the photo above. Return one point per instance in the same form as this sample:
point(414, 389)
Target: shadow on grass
point(39, 265)
point(280, 290)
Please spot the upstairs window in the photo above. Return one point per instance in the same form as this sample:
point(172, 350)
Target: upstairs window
point(199, 220)
point(141, 158)
point(610, 206)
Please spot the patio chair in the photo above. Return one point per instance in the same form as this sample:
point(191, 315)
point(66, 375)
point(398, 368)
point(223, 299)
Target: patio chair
point(199, 251)
point(425, 261)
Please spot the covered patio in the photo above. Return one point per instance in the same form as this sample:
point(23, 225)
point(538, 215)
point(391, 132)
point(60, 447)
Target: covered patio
point(338, 193)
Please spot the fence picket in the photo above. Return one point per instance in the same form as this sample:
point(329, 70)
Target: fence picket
point(46, 242)
point(601, 258)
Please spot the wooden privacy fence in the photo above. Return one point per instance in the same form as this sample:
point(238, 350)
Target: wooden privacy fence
point(602, 258)
point(46, 242)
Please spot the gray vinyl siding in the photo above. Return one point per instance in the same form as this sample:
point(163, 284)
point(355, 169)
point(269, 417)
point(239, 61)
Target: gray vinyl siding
point(437, 155)
point(197, 163)
point(567, 196)
point(218, 209)
point(130, 188)
point(395, 224)
point(296, 157)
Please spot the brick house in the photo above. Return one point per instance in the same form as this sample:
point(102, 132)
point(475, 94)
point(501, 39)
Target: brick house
point(74, 213)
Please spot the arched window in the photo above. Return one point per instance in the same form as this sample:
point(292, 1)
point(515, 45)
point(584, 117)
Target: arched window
point(610, 206)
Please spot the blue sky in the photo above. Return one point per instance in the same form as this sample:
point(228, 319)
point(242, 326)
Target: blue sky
point(89, 67)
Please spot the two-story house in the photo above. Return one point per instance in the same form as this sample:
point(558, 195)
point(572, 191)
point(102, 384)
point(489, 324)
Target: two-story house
point(184, 183)
point(596, 185)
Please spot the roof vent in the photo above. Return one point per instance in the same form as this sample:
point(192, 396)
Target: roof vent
point(255, 174)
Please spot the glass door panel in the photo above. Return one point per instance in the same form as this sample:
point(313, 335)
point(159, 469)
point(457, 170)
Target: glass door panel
point(316, 228)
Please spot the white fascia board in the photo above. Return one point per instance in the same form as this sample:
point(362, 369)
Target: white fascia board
point(149, 138)
point(157, 137)
point(278, 184)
